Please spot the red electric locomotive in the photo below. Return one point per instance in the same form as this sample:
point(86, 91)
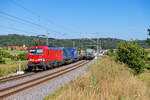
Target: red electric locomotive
point(43, 57)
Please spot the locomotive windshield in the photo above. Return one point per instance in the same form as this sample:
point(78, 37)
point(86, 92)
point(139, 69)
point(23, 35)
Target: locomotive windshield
point(36, 51)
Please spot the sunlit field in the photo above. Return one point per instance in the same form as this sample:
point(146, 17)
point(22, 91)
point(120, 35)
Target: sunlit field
point(6, 69)
point(106, 80)
point(12, 66)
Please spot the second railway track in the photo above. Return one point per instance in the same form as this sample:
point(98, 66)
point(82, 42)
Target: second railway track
point(6, 92)
point(15, 77)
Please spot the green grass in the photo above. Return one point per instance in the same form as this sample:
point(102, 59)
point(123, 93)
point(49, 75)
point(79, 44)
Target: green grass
point(6, 69)
point(8, 60)
point(11, 66)
point(16, 52)
point(149, 55)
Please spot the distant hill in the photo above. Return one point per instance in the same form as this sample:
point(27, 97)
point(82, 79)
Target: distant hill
point(19, 40)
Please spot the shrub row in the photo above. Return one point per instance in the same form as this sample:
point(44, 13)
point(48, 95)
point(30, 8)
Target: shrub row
point(133, 55)
point(4, 54)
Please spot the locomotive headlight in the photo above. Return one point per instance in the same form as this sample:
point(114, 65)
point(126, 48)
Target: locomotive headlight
point(30, 59)
point(39, 59)
point(43, 59)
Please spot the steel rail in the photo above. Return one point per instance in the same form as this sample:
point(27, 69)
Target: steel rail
point(15, 77)
point(26, 85)
point(11, 78)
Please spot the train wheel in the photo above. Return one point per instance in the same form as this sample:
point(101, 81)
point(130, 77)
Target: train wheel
point(44, 67)
point(56, 64)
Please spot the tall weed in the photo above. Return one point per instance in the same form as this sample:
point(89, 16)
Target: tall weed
point(105, 80)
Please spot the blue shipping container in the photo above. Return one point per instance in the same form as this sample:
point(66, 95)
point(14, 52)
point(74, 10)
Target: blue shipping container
point(74, 53)
point(67, 53)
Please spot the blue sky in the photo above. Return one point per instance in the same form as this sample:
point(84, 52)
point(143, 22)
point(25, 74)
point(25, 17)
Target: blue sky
point(123, 19)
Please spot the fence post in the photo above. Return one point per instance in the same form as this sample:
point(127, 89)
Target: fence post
point(19, 65)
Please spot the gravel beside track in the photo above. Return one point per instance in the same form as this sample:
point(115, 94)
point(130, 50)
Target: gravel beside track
point(39, 92)
point(39, 74)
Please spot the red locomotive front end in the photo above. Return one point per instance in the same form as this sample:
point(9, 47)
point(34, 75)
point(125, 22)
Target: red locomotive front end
point(36, 54)
point(44, 57)
point(36, 57)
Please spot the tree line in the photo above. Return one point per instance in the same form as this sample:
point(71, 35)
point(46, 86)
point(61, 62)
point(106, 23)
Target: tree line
point(19, 40)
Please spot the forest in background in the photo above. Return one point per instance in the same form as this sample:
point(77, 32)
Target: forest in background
point(106, 43)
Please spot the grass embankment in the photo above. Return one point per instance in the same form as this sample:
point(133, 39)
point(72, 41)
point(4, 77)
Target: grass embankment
point(10, 65)
point(6, 69)
point(105, 80)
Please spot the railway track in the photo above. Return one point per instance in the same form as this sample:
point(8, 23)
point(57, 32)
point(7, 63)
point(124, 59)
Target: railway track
point(6, 92)
point(15, 77)
point(11, 78)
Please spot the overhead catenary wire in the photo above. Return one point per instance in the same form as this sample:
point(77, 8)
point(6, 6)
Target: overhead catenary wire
point(26, 9)
point(22, 21)
point(82, 34)
point(13, 20)
point(29, 22)
point(39, 16)
point(18, 18)
point(19, 30)
point(16, 29)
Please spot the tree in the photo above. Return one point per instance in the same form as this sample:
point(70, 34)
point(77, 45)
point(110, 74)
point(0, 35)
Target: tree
point(1, 57)
point(148, 31)
point(1, 60)
point(111, 52)
point(133, 55)
point(23, 56)
point(36, 43)
point(148, 40)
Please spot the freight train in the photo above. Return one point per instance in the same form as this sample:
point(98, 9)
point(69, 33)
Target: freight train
point(44, 57)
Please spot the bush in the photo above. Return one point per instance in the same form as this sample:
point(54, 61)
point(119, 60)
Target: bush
point(5, 54)
point(111, 52)
point(1, 60)
point(23, 56)
point(14, 58)
point(132, 55)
